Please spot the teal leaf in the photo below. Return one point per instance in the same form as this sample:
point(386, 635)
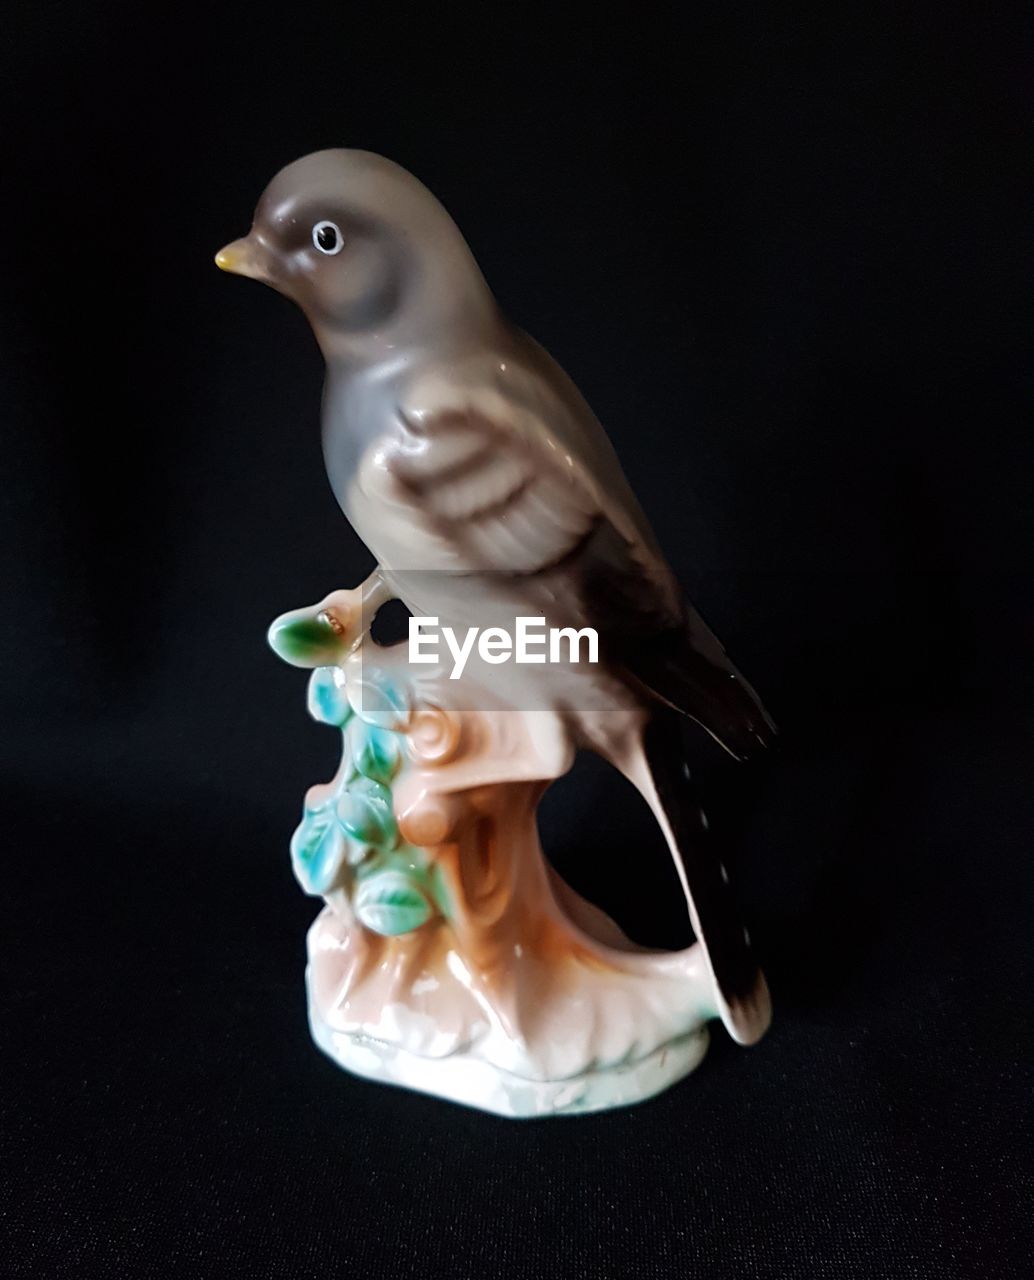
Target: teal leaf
point(376, 698)
point(328, 700)
point(390, 903)
point(365, 812)
point(318, 848)
point(375, 752)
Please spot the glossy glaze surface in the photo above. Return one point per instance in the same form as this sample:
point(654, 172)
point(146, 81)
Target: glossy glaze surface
point(449, 956)
point(486, 489)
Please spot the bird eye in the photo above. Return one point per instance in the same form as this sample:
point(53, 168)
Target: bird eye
point(327, 238)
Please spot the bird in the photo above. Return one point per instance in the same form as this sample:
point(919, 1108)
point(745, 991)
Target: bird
point(478, 476)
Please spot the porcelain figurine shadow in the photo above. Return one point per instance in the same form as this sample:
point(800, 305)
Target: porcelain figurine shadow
point(450, 957)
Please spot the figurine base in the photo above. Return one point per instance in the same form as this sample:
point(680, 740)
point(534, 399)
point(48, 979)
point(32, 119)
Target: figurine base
point(474, 1082)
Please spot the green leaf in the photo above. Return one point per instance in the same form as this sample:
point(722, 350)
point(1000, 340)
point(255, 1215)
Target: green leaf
point(390, 903)
point(318, 849)
point(375, 752)
point(305, 639)
point(365, 812)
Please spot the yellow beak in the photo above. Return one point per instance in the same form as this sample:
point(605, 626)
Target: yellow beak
point(240, 258)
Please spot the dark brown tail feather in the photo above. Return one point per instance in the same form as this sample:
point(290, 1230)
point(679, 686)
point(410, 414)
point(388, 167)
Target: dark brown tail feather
point(747, 1010)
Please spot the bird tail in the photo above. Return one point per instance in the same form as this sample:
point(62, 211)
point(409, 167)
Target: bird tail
point(741, 992)
point(723, 703)
point(688, 669)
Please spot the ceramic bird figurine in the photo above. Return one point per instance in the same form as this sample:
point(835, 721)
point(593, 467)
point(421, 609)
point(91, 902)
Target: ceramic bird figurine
point(484, 486)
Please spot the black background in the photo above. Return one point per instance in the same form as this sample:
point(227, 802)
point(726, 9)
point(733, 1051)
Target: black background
point(785, 257)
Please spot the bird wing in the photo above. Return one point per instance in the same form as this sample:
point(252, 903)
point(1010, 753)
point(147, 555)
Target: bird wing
point(493, 470)
point(485, 487)
point(504, 472)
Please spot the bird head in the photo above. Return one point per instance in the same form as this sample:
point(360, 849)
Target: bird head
point(363, 248)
